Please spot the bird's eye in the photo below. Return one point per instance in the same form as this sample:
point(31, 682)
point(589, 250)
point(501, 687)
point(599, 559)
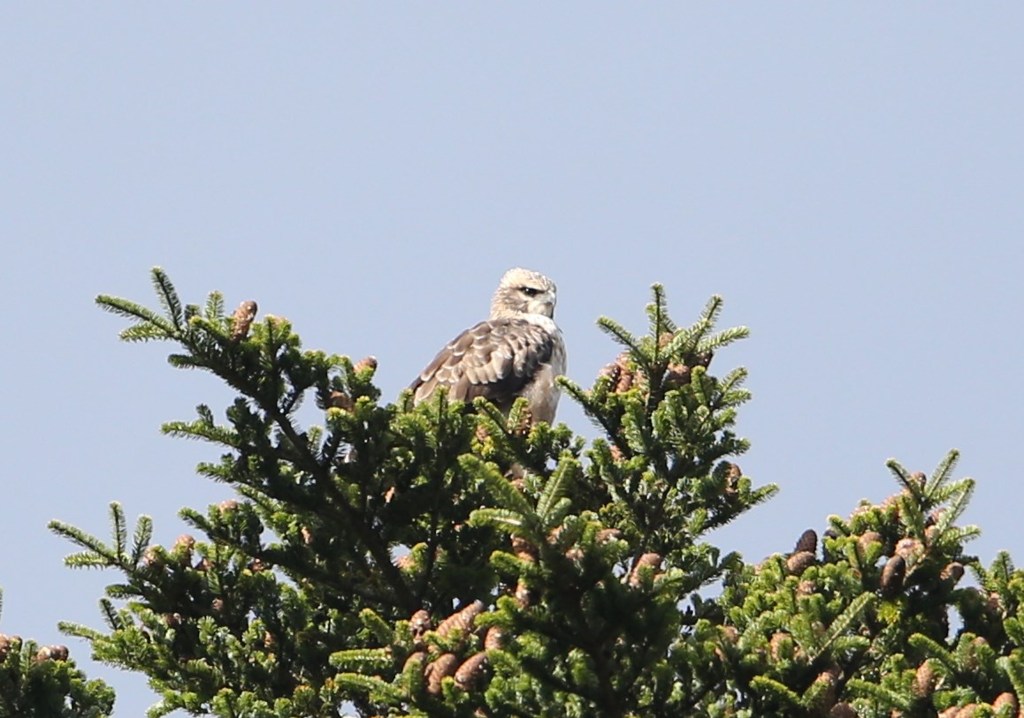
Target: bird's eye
point(530, 291)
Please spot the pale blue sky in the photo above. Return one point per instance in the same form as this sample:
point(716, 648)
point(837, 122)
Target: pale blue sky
point(848, 176)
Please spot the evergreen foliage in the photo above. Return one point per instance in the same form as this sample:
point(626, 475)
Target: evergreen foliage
point(448, 560)
point(43, 682)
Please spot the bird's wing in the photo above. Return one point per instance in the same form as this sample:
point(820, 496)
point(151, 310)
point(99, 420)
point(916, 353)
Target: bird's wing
point(495, 359)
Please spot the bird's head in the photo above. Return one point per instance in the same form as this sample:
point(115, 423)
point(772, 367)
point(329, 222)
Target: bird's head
point(523, 291)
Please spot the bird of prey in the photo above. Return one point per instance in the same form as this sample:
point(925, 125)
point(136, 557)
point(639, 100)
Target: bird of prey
point(517, 352)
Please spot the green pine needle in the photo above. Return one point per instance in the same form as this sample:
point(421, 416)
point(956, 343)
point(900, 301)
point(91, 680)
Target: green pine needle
point(168, 297)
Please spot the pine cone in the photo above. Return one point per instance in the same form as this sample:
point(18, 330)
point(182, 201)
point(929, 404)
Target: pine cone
point(524, 550)
point(910, 549)
point(416, 657)
point(732, 478)
point(523, 426)
point(892, 576)
point(676, 376)
point(524, 594)
point(934, 517)
point(1004, 700)
point(729, 634)
point(808, 541)
point(334, 399)
point(952, 573)
point(625, 382)
point(890, 505)
point(467, 677)
point(780, 645)
point(806, 588)
point(241, 320)
point(151, 558)
point(611, 372)
point(866, 540)
point(648, 560)
point(626, 375)
point(826, 555)
point(420, 623)
point(460, 620)
point(366, 364)
point(51, 653)
point(494, 638)
point(183, 547)
point(826, 700)
point(445, 665)
point(481, 433)
point(799, 562)
point(516, 476)
point(924, 680)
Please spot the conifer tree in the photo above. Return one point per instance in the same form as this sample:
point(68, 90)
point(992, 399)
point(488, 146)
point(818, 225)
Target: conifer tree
point(43, 682)
point(449, 560)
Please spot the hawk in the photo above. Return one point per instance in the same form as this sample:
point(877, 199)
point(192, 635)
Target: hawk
point(517, 352)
